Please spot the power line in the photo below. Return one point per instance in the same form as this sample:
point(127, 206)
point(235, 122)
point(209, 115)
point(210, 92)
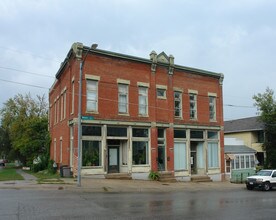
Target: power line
point(41, 87)
point(23, 71)
point(29, 53)
point(24, 84)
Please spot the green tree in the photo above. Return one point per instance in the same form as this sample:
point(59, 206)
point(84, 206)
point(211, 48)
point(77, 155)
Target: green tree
point(25, 121)
point(266, 106)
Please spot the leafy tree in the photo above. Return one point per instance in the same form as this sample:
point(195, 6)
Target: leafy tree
point(5, 145)
point(266, 106)
point(25, 121)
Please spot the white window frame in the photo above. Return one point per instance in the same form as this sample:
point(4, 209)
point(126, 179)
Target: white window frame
point(60, 153)
point(143, 94)
point(142, 139)
point(73, 97)
point(212, 106)
point(123, 92)
point(64, 104)
point(163, 89)
point(193, 102)
point(238, 161)
point(61, 107)
point(92, 91)
point(179, 99)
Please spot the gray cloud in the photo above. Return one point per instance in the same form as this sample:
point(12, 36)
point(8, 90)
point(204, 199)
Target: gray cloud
point(236, 38)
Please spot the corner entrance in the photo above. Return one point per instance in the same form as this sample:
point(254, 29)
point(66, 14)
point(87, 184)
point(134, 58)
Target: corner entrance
point(113, 156)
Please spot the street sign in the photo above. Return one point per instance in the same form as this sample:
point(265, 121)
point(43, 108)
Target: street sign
point(87, 117)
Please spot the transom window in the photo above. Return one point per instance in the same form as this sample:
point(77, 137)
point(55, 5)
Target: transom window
point(91, 130)
point(179, 133)
point(117, 131)
point(196, 134)
point(140, 132)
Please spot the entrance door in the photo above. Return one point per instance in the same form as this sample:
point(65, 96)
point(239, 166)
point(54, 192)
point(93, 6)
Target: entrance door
point(197, 158)
point(193, 162)
point(161, 158)
point(113, 159)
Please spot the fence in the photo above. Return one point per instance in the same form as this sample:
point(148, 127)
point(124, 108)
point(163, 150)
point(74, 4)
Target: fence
point(239, 176)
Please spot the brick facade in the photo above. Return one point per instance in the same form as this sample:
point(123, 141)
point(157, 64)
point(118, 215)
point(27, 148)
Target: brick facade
point(110, 70)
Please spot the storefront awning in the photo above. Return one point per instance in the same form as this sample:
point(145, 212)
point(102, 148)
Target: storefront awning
point(229, 156)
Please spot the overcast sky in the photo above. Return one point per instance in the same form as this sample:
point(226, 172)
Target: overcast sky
point(236, 38)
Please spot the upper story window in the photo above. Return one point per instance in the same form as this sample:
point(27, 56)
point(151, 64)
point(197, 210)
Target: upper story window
point(161, 91)
point(193, 105)
point(91, 95)
point(260, 135)
point(212, 108)
point(177, 104)
point(123, 98)
point(143, 101)
point(73, 97)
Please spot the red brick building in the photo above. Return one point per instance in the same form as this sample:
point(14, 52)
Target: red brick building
point(137, 115)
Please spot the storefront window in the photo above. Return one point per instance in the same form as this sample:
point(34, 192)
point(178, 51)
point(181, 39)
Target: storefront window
point(140, 152)
point(180, 151)
point(213, 159)
point(91, 153)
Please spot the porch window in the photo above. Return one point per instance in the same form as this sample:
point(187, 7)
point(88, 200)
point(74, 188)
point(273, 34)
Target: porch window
point(140, 152)
point(213, 159)
point(91, 153)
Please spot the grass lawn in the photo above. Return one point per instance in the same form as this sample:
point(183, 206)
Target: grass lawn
point(8, 173)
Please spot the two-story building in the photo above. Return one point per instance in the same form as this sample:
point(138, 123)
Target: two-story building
point(137, 115)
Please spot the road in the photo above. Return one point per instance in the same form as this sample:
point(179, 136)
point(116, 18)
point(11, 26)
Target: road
point(73, 204)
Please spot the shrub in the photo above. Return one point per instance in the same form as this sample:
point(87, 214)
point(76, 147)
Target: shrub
point(154, 175)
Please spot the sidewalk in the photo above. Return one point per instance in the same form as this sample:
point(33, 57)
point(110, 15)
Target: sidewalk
point(117, 186)
point(109, 185)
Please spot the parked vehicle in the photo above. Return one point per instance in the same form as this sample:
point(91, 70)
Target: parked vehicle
point(2, 162)
point(264, 179)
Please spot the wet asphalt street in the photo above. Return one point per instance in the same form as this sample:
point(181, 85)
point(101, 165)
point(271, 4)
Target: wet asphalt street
point(72, 204)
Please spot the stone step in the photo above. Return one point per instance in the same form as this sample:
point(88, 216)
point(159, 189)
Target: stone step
point(198, 179)
point(166, 176)
point(168, 180)
point(119, 176)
